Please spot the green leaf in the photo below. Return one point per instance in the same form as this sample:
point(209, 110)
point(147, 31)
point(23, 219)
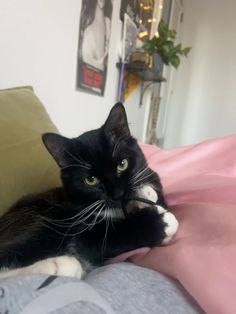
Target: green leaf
point(171, 33)
point(178, 48)
point(164, 45)
point(162, 29)
point(186, 51)
point(175, 61)
point(166, 49)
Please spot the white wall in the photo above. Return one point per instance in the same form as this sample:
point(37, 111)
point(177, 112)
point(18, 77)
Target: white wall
point(203, 104)
point(38, 47)
point(138, 115)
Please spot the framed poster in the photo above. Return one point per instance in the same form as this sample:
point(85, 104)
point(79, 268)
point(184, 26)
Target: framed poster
point(93, 47)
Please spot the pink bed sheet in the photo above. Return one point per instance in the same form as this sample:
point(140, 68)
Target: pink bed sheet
point(200, 186)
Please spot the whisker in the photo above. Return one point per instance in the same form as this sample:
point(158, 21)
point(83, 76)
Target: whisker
point(62, 223)
point(78, 165)
point(84, 219)
point(95, 221)
point(135, 188)
point(138, 174)
point(114, 212)
point(142, 178)
point(106, 231)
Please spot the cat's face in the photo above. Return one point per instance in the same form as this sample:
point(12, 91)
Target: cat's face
point(105, 165)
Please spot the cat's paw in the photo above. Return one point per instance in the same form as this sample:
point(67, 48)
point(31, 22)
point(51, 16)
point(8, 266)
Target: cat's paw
point(148, 193)
point(171, 223)
point(67, 266)
point(171, 226)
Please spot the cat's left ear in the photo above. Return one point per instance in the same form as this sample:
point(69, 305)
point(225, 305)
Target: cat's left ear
point(57, 146)
point(116, 125)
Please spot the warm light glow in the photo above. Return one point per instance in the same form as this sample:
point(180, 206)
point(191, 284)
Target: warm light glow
point(141, 5)
point(140, 21)
point(142, 34)
point(149, 20)
point(161, 7)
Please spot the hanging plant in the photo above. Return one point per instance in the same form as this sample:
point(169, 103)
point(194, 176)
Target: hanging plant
point(164, 46)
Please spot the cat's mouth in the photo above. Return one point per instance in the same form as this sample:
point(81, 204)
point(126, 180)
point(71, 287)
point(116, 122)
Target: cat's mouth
point(124, 206)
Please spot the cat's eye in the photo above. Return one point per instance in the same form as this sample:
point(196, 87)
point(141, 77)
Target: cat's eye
point(122, 165)
point(92, 181)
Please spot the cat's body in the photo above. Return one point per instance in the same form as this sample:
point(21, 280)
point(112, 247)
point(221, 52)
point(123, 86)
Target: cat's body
point(91, 217)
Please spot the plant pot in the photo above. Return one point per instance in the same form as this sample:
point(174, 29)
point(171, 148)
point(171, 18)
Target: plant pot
point(157, 63)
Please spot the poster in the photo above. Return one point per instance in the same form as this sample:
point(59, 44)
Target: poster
point(93, 47)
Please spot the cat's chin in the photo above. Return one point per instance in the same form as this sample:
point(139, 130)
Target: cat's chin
point(114, 203)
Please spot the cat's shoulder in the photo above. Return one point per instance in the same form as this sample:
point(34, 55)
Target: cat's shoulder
point(45, 199)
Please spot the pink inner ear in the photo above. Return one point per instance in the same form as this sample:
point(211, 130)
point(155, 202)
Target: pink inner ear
point(135, 254)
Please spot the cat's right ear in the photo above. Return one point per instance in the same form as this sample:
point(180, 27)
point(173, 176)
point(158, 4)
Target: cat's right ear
point(116, 125)
point(57, 146)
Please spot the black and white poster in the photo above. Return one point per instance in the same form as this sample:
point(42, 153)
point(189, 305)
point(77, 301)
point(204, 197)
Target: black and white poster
point(93, 48)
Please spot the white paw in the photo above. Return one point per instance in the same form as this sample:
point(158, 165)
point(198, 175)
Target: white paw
point(148, 193)
point(171, 226)
point(160, 209)
point(59, 266)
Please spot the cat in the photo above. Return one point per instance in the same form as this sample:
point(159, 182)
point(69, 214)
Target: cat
point(98, 213)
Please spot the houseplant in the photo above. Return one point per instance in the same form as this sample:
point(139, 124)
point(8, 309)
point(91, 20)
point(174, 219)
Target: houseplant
point(163, 47)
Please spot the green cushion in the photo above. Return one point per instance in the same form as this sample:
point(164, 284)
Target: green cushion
point(25, 165)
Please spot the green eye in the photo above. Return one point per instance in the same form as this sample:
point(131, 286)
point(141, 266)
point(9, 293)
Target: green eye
point(122, 165)
point(92, 181)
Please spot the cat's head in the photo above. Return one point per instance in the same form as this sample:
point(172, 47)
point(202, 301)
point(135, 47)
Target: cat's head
point(105, 164)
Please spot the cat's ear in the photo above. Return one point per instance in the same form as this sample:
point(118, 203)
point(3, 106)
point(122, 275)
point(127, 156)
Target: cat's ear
point(116, 125)
point(57, 146)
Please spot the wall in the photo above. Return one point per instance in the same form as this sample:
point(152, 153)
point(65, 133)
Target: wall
point(203, 103)
point(38, 47)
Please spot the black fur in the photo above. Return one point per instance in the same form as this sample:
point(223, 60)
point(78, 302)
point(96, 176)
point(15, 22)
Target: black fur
point(46, 225)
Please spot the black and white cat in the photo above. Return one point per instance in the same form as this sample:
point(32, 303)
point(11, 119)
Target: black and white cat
point(95, 215)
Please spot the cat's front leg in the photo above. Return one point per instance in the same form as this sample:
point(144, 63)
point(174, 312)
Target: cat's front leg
point(141, 228)
point(171, 224)
point(67, 266)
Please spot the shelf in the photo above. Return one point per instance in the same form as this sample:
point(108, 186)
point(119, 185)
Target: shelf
point(143, 71)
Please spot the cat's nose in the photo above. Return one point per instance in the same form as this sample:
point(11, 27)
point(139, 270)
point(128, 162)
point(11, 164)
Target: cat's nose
point(117, 194)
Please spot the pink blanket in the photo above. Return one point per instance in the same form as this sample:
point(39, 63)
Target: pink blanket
point(200, 186)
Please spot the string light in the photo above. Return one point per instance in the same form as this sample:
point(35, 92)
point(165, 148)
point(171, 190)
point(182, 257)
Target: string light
point(142, 34)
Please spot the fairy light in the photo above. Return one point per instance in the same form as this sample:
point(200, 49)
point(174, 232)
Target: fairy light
point(142, 34)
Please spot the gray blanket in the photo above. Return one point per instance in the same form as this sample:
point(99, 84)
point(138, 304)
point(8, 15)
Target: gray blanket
point(121, 288)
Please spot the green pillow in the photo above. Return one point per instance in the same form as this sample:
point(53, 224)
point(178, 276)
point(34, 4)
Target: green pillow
point(25, 165)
